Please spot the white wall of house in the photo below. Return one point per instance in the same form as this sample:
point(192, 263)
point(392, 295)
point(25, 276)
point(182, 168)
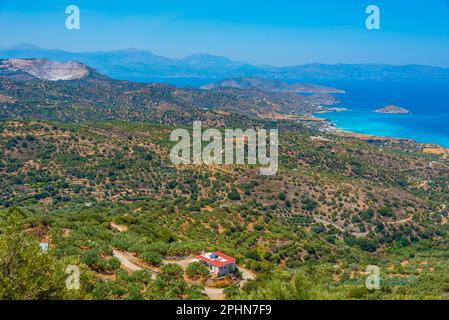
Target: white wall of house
point(221, 271)
point(226, 269)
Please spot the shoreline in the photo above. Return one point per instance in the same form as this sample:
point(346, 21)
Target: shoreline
point(331, 127)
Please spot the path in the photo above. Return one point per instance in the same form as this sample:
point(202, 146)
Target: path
point(401, 221)
point(355, 234)
point(215, 293)
point(246, 275)
point(124, 259)
point(129, 262)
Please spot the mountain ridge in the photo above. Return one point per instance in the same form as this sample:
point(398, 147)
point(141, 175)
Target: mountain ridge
point(271, 85)
point(135, 64)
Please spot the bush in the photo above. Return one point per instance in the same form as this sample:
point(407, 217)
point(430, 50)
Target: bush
point(358, 293)
point(367, 215)
point(152, 257)
point(172, 269)
point(234, 195)
point(308, 204)
point(197, 270)
point(386, 212)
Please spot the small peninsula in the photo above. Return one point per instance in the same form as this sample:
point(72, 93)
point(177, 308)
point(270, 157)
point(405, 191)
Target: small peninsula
point(271, 85)
point(392, 109)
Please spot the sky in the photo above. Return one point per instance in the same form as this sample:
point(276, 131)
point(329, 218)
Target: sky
point(274, 32)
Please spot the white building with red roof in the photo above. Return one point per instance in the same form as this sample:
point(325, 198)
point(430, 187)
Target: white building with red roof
point(218, 263)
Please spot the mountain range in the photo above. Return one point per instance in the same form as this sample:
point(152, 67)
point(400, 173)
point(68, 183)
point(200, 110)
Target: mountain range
point(141, 65)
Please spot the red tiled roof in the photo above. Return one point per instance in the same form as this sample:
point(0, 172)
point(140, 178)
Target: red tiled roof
point(218, 263)
point(220, 254)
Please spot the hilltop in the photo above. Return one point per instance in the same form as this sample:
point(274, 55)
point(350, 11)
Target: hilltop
point(43, 69)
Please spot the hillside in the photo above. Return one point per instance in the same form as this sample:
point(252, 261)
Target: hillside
point(85, 167)
point(87, 95)
point(335, 201)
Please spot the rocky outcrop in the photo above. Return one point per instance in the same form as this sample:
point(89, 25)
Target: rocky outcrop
point(44, 69)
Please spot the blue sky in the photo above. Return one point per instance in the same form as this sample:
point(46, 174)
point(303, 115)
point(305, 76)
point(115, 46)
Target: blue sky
point(276, 32)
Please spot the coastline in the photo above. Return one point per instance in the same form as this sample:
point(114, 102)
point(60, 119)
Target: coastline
point(331, 127)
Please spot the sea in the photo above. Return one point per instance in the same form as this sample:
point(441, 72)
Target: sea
point(427, 100)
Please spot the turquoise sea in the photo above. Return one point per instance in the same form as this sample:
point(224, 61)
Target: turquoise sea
point(428, 101)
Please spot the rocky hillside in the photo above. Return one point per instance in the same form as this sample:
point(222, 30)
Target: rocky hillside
point(43, 69)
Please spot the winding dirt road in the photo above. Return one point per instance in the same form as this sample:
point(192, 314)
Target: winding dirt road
point(133, 264)
point(130, 263)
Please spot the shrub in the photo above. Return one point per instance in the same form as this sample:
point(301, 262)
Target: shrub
point(152, 257)
point(197, 270)
point(234, 195)
point(386, 212)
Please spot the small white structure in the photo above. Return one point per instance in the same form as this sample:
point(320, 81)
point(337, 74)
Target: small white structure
point(43, 246)
point(218, 263)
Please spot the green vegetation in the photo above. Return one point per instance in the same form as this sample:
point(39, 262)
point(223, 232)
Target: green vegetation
point(89, 189)
point(27, 273)
point(197, 270)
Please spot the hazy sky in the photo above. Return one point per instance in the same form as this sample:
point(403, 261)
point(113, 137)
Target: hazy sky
point(277, 32)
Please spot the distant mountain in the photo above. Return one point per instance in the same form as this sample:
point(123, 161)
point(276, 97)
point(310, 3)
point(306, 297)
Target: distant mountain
point(141, 65)
point(357, 72)
point(271, 85)
point(202, 60)
point(134, 64)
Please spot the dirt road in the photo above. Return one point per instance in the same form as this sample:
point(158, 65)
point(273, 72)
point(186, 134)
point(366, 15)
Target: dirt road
point(355, 234)
point(129, 262)
point(125, 260)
